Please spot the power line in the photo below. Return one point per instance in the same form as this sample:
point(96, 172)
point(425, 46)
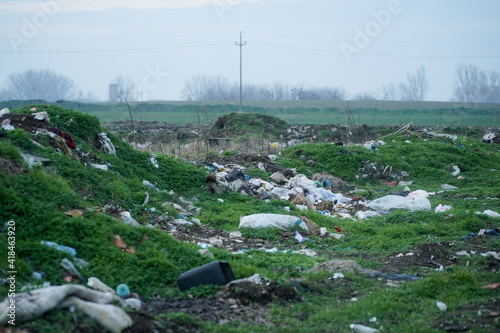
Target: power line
point(119, 50)
point(373, 44)
point(376, 54)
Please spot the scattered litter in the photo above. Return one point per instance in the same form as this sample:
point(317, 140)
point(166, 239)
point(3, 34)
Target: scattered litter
point(33, 160)
point(492, 286)
point(336, 276)
point(495, 255)
point(235, 234)
point(491, 213)
point(338, 265)
point(322, 231)
point(448, 187)
point(206, 253)
point(299, 237)
point(462, 254)
point(272, 157)
point(74, 213)
point(488, 137)
point(278, 178)
point(416, 200)
point(153, 161)
point(256, 279)
point(358, 328)
point(181, 222)
point(220, 200)
point(366, 214)
point(214, 273)
point(58, 247)
point(441, 135)
point(70, 268)
point(128, 219)
point(204, 245)
point(307, 252)
point(99, 166)
point(442, 208)
point(4, 111)
point(133, 303)
point(97, 305)
point(80, 262)
point(441, 306)
point(97, 284)
point(106, 143)
point(118, 241)
point(7, 126)
point(395, 276)
point(283, 222)
point(122, 290)
point(147, 183)
point(373, 320)
point(456, 172)
point(215, 242)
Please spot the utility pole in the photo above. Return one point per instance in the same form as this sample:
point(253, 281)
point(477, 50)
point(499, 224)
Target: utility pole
point(241, 44)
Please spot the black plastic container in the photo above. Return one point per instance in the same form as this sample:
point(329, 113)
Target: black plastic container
point(217, 272)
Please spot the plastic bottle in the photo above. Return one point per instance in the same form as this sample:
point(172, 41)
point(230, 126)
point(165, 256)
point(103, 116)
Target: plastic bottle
point(122, 290)
point(358, 328)
point(58, 247)
point(204, 245)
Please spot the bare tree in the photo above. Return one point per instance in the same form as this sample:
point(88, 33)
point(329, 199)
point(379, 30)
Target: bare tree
point(473, 85)
point(127, 93)
point(417, 86)
point(489, 87)
point(467, 84)
point(206, 88)
point(391, 92)
point(42, 84)
point(365, 96)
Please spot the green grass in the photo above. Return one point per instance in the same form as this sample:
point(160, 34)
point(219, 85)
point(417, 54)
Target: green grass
point(37, 199)
point(296, 112)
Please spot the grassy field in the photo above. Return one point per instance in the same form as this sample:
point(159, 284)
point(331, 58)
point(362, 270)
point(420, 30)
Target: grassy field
point(36, 198)
point(299, 112)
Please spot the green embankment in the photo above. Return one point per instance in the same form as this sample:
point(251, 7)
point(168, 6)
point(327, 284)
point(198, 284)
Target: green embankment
point(37, 199)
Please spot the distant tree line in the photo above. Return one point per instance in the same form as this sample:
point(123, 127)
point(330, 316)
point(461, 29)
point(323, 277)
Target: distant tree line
point(471, 85)
point(213, 88)
point(43, 84)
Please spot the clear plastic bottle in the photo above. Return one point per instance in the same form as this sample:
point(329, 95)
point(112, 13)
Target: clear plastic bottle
point(58, 247)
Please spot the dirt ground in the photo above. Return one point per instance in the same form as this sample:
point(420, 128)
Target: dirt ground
point(247, 303)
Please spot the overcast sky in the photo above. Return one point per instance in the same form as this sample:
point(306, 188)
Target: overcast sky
point(352, 44)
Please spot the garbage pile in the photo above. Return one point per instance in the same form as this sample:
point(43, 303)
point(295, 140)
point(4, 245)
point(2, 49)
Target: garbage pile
point(328, 194)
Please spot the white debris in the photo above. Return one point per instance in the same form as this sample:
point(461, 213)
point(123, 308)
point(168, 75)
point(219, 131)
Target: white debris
point(441, 306)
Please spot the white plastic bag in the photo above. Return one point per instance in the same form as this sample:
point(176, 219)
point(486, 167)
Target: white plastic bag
point(283, 222)
point(417, 201)
point(366, 214)
point(491, 213)
point(442, 208)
